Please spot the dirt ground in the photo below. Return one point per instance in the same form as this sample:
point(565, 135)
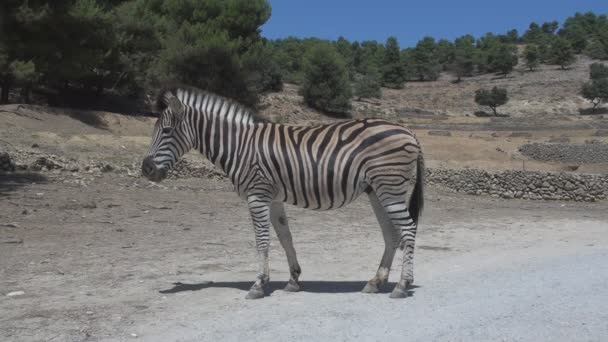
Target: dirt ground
point(123, 258)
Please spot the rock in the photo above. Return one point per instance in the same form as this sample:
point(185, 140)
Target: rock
point(520, 135)
point(507, 195)
point(12, 240)
point(89, 205)
point(6, 163)
point(569, 186)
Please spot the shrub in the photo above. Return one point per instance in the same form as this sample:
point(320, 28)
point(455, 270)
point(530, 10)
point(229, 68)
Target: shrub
point(368, 85)
point(598, 71)
point(326, 85)
point(492, 98)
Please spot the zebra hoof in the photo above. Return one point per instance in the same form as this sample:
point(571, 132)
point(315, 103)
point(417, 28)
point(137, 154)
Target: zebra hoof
point(370, 288)
point(398, 293)
point(292, 286)
point(255, 293)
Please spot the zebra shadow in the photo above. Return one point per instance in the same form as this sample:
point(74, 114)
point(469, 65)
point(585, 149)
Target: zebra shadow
point(307, 286)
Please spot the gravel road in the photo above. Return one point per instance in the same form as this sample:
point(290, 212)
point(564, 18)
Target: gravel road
point(122, 259)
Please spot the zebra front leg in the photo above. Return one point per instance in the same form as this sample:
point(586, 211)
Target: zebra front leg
point(390, 246)
point(279, 222)
point(259, 208)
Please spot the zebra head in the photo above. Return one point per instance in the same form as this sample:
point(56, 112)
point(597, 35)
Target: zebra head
point(170, 139)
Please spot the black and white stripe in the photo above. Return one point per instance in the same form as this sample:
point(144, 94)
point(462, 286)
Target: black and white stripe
point(317, 167)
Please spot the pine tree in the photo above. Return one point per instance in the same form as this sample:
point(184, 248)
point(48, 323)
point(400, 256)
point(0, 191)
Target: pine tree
point(424, 62)
point(392, 69)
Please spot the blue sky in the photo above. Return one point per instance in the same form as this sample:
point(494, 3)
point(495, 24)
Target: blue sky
point(409, 21)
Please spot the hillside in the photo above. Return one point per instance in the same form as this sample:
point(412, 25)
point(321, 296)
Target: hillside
point(546, 91)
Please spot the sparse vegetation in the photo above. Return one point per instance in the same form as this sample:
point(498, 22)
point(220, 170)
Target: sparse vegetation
point(493, 98)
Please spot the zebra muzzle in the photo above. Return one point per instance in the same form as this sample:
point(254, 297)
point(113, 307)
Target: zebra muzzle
point(151, 171)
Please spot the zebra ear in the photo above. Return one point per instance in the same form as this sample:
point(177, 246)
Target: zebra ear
point(176, 107)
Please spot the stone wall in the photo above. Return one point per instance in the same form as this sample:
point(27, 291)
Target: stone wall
point(523, 184)
point(567, 153)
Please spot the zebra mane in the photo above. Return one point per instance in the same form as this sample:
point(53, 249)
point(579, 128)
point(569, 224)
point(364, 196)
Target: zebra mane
point(165, 93)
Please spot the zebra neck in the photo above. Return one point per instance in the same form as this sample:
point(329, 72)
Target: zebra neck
point(225, 140)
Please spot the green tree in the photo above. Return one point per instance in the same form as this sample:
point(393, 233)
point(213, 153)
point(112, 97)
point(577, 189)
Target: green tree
point(596, 91)
point(583, 27)
point(464, 57)
point(392, 68)
point(368, 85)
point(598, 48)
point(326, 85)
point(263, 71)
point(550, 27)
point(492, 98)
point(511, 37)
point(562, 53)
point(345, 49)
point(532, 56)
point(598, 71)
point(24, 74)
point(503, 58)
point(424, 62)
point(290, 57)
point(533, 34)
point(445, 51)
point(208, 44)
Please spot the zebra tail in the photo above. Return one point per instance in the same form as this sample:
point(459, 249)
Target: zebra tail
point(417, 199)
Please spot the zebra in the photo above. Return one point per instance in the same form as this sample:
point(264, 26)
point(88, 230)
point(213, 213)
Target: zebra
point(319, 167)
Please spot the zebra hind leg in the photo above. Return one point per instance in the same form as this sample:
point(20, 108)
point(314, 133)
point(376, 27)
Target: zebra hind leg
point(390, 246)
point(259, 208)
point(281, 227)
point(406, 228)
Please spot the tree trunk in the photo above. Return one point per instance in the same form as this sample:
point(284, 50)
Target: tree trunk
point(4, 94)
point(25, 93)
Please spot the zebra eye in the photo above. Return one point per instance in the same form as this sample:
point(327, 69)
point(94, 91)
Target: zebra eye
point(167, 130)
